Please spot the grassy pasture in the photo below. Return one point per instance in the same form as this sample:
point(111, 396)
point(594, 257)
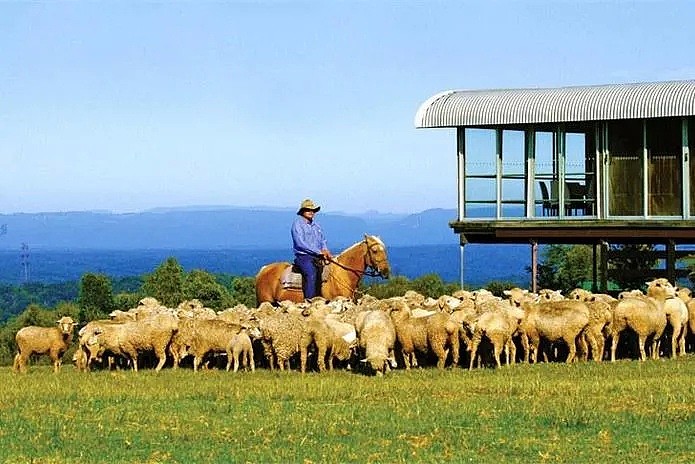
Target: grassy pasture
point(586, 412)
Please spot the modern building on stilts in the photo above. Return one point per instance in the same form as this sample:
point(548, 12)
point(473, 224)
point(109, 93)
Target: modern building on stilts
point(596, 165)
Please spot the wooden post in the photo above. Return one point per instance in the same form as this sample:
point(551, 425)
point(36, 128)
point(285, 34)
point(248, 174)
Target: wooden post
point(534, 266)
point(462, 244)
point(671, 261)
point(594, 269)
point(604, 267)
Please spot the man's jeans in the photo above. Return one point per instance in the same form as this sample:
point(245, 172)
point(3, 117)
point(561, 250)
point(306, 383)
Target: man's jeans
point(311, 278)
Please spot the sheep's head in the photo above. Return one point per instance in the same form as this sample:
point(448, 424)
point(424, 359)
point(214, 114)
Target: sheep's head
point(660, 287)
point(66, 324)
point(580, 294)
point(377, 362)
point(516, 296)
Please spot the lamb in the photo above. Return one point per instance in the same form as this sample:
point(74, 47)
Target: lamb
point(53, 341)
point(676, 311)
point(242, 349)
point(377, 337)
point(642, 315)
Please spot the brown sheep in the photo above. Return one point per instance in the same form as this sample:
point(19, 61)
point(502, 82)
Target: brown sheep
point(52, 341)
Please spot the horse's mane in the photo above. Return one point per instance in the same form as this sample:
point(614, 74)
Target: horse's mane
point(366, 238)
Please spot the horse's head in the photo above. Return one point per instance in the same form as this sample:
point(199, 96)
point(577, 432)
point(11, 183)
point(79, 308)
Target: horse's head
point(376, 256)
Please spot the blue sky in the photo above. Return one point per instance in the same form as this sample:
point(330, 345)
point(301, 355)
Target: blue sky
point(126, 106)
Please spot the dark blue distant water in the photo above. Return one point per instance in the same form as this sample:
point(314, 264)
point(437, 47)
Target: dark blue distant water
point(482, 263)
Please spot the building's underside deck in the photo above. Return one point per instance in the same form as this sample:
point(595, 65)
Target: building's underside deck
point(574, 231)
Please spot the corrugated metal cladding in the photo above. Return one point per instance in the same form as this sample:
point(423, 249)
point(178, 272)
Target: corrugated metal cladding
point(564, 104)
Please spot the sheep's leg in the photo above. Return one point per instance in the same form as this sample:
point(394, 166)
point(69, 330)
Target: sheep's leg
point(681, 341)
point(161, 359)
point(302, 360)
point(441, 354)
point(642, 354)
point(15, 364)
point(525, 345)
point(572, 345)
point(455, 351)
point(321, 358)
point(496, 352)
point(674, 338)
point(196, 362)
point(474, 354)
point(614, 345)
point(656, 345)
point(236, 360)
point(406, 360)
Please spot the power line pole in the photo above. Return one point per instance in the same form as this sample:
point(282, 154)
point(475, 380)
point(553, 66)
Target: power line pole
point(25, 262)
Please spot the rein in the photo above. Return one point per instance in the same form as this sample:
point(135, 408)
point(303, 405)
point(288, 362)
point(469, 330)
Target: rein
point(359, 272)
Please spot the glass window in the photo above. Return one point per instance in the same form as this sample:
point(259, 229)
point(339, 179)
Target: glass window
point(481, 173)
point(513, 174)
point(545, 183)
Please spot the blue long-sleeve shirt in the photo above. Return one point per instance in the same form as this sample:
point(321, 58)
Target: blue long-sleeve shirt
point(307, 237)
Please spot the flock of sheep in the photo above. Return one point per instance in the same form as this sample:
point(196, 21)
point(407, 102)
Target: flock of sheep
point(376, 335)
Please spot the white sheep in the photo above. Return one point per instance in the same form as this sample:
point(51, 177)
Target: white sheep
point(52, 341)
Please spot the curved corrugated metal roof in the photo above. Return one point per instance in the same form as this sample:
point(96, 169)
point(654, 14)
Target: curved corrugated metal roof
point(565, 104)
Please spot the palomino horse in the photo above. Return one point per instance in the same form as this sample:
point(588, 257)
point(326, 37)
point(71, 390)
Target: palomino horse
point(344, 274)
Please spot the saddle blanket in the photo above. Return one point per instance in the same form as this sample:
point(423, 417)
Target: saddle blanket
point(291, 279)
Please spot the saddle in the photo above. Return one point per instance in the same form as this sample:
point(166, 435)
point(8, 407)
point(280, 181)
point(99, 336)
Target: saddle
point(291, 279)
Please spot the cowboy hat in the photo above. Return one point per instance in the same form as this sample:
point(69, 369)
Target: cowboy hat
point(308, 205)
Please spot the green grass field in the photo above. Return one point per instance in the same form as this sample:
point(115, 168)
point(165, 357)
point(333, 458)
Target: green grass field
point(587, 412)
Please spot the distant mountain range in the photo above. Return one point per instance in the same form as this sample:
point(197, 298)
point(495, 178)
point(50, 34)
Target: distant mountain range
point(63, 246)
point(205, 228)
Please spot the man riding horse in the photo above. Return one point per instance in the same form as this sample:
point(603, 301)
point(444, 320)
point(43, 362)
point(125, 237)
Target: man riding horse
point(310, 248)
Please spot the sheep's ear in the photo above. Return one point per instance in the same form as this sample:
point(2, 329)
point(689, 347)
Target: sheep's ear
point(363, 360)
point(507, 292)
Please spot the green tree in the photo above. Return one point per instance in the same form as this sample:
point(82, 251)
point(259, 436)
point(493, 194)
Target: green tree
point(203, 286)
point(166, 283)
point(124, 301)
point(96, 297)
point(632, 265)
point(243, 291)
point(565, 267)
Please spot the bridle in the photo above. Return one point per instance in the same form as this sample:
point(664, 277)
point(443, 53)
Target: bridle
point(370, 270)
